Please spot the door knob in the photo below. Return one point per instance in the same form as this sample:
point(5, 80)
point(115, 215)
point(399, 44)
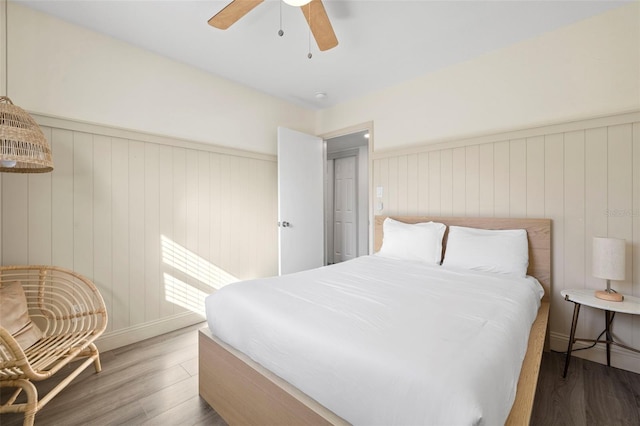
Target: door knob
point(285, 224)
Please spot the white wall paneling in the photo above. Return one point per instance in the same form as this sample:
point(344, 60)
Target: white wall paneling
point(156, 223)
point(583, 175)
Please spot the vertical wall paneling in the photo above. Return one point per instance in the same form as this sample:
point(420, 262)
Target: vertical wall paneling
point(575, 248)
point(215, 218)
point(102, 223)
point(62, 193)
point(435, 183)
point(39, 216)
point(15, 226)
point(620, 192)
point(203, 224)
point(392, 185)
point(486, 181)
point(156, 223)
point(384, 182)
point(167, 207)
point(423, 183)
point(596, 223)
point(402, 184)
point(412, 184)
point(226, 214)
point(619, 207)
point(233, 224)
point(554, 209)
point(535, 177)
point(446, 182)
point(179, 234)
point(585, 176)
point(191, 291)
point(518, 178)
point(501, 172)
point(83, 203)
point(136, 231)
point(152, 239)
point(121, 302)
point(472, 180)
point(459, 181)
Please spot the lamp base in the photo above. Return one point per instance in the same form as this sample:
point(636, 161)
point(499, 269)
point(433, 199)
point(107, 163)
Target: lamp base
point(609, 295)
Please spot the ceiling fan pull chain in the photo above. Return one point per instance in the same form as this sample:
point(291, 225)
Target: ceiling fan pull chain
point(280, 32)
point(309, 55)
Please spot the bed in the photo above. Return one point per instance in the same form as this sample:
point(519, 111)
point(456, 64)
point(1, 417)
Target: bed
point(244, 391)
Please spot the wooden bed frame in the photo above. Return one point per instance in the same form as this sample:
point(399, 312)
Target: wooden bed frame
point(244, 392)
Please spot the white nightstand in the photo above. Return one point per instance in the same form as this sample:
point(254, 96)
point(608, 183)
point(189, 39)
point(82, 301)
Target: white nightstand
point(630, 305)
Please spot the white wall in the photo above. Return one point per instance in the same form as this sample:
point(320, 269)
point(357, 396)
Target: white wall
point(61, 69)
point(583, 70)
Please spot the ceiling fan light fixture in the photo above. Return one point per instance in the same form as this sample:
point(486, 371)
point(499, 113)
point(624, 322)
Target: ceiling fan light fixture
point(297, 2)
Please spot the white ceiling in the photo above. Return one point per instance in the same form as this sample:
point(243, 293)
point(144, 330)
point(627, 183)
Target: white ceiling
point(381, 43)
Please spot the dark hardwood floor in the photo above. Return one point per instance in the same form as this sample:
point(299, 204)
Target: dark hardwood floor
point(155, 382)
point(592, 394)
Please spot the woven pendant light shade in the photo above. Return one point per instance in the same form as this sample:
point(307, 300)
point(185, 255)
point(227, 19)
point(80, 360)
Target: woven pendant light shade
point(23, 147)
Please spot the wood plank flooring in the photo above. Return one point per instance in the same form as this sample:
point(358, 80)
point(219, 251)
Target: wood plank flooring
point(155, 382)
point(592, 394)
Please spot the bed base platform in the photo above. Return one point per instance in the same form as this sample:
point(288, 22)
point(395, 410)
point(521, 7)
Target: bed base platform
point(245, 393)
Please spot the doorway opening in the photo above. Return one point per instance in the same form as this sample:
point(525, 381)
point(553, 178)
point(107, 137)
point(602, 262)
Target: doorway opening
point(347, 197)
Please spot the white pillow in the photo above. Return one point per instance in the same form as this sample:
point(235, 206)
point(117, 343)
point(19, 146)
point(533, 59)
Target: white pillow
point(419, 241)
point(499, 251)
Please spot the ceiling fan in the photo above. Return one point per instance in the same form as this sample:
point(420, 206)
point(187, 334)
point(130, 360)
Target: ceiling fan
point(313, 11)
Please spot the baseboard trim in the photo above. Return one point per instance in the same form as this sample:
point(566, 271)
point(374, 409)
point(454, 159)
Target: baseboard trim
point(620, 357)
point(129, 335)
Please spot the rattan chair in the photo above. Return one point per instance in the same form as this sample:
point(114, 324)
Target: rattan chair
point(71, 314)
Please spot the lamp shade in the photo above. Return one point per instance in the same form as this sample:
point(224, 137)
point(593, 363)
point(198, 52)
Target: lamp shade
point(23, 147)
point(608, 260)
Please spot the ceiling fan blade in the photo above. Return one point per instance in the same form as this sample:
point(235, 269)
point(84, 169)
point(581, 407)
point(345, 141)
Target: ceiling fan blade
point(320, 25)
point(232, 13)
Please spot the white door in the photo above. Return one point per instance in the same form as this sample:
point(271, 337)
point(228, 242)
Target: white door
point(300, 201)
point(345, 234)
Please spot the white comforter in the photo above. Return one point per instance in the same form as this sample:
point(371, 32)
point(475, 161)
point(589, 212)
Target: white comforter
point(387, 342)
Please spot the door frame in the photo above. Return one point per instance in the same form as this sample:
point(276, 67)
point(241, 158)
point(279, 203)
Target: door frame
point(366, 126)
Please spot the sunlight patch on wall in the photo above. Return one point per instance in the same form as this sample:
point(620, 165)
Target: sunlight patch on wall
point(184, 295)
point(203, 277)
point(196, 267)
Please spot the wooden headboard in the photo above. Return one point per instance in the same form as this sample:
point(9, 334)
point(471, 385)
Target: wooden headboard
point(538, 233)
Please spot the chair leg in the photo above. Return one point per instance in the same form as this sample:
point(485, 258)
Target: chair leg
point(30, 408)
point(96, 361)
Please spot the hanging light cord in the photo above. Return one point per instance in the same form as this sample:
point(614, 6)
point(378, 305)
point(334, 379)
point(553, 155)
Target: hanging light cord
point(6, 47)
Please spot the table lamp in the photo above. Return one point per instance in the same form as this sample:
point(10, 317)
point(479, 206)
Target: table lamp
point(608, 262)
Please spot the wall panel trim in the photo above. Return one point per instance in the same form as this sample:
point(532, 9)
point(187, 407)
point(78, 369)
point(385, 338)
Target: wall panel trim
point(117, 132)
point(137, 333)
point(626, 117)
